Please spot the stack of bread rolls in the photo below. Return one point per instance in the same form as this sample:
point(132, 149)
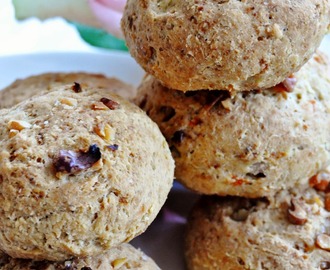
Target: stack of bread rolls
point(243, 99)
point(82, 172)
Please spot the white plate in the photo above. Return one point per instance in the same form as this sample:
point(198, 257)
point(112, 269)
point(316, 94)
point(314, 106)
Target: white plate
point(116, 64)
point(163, 239)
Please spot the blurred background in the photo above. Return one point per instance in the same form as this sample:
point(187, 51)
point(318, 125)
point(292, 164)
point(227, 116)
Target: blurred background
point(33, 35)
point(56, 35)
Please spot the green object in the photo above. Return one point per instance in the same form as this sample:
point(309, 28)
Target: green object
point(99, 38)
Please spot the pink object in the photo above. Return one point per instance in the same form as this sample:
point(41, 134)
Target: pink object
point(109, 13)
point(171, 216)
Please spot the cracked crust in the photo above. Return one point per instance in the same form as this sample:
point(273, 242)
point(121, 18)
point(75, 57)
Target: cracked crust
point(238, 233)
point(23, 89)
point(223, 45)
point(80, 172)
point(123, 257)
point(251, 144)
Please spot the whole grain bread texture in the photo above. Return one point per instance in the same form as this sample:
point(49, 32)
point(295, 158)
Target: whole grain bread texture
point(290, 231)
point(223, 45)
point(251, 144)
point(81, 171)
point(122, 257)
point(23, 89)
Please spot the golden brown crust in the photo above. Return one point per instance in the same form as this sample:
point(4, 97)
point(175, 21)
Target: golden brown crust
point(81, 170)
point(233, 45)
point(235, 233)
point(23, 89)
point(251, 144)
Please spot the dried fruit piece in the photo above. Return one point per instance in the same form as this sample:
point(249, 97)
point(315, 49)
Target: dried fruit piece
point(112, 105)
point(73, 162)
point(13, 132)
point(323, 241)
point(116, 264)
point(107, 132)
point(320, 181)
point(76, 87)
point(296, 213)
point(99, 106)
point(18, 125)
point(69, 101)
point(227, 104)
point(99, 131)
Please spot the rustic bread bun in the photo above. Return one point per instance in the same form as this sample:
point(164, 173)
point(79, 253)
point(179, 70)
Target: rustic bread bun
point(23, 89)
point(122, 257)
point(81, 171)
point(289, 232)
point(251, 144)
point(223, 45)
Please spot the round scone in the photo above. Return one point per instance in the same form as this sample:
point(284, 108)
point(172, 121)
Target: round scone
point(227, 45)
point(290, 232)
point(80, 172)
point(23, 89)
point(122, 257)
point(251, 144)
